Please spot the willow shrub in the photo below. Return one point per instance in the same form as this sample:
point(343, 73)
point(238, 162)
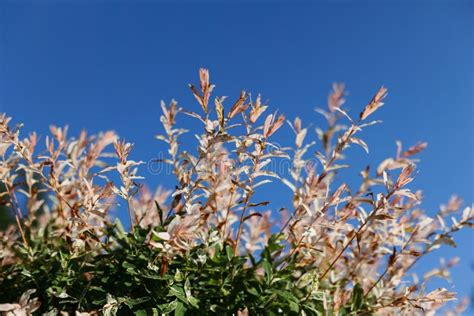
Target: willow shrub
point(211, 245)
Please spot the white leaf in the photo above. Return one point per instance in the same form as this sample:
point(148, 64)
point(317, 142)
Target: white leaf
point(162, 235)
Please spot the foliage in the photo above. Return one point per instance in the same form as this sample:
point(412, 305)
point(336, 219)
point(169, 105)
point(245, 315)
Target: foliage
point(205, 247)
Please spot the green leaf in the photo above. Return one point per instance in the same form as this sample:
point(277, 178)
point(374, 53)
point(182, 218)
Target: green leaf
point(187, 290)
point(229, 252)
point(131, 302)
point(180, 309)
point(168, 307)
point(294, 307)
point(119, 230)
point(253, 291)
point(267, 267)
point(147, 312)
point(178, 292)
point(357, 299)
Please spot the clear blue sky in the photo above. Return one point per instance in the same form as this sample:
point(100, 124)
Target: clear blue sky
point(106, 66)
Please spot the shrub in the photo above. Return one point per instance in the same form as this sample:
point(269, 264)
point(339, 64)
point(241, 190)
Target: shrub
point(206, 247)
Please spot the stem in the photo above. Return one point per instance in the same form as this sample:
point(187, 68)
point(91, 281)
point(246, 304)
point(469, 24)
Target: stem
point(18, 215)
point(241, 223)
point(369, 218)
point(337, 150)
point(228, 212)
point(21, 230)
point(381, 276)
point(388, 265)
point(132, 227)
point(246, 204)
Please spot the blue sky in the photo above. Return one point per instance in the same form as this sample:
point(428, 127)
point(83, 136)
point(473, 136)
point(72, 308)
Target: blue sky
point(107, 65)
